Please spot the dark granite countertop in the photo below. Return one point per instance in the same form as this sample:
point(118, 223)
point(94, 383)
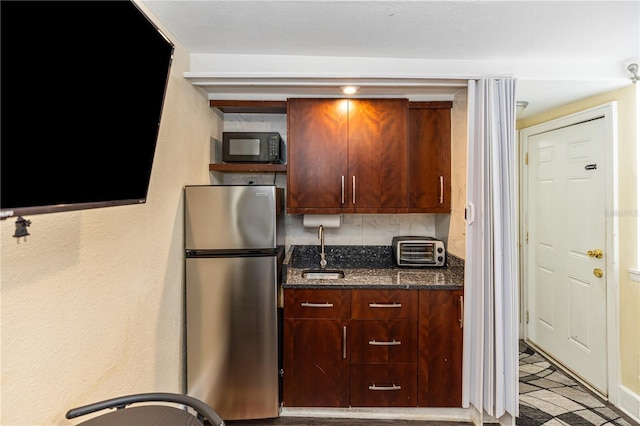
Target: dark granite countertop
point(367, 267)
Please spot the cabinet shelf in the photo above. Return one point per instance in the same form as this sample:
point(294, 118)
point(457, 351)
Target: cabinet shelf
point(250, 107)
point(247, 168)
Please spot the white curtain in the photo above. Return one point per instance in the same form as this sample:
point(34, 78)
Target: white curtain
point(490, 359)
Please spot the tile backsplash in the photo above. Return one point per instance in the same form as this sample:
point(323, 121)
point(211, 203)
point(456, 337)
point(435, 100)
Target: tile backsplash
point(362, 229)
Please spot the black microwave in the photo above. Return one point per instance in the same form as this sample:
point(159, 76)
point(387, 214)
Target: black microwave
point(252, 147)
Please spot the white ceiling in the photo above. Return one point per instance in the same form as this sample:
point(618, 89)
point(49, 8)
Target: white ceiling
point(560, 51)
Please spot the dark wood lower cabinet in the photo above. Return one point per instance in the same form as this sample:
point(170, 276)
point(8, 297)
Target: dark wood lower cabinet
point(315, 372)
point(440, 353)
point(384, 338)
point(383, 385)
point(315, 356)
point(374, 348)
point(384, 341)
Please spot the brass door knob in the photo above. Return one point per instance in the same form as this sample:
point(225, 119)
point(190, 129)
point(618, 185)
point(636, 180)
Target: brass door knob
point(598, 272)
point(597, 253)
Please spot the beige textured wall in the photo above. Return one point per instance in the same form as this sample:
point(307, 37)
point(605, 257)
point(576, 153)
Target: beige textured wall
point(627, 214)
point(457, 228)
point(91, 303)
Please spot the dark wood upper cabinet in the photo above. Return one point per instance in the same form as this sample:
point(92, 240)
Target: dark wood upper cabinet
point(346, 155)
point(377, 155)
point(317, 146)
point(429, 157)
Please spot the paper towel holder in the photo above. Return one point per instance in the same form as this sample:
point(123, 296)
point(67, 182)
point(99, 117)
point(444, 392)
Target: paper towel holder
point(326, 220)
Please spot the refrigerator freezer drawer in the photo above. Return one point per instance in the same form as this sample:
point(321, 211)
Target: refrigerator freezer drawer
point(232, 335)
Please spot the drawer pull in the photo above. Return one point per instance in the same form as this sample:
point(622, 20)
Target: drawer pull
point(385, 305)
point(391, 343)
point(344, 342)
point(316, 305)
point(385, 388)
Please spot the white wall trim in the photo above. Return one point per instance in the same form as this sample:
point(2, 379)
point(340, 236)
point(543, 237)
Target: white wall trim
point(629, 403)
point(557, 70)
point(523, 270)
point(383, 413)
point(609, 112)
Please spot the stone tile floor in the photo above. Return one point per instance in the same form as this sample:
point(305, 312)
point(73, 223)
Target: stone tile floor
point(549, 397)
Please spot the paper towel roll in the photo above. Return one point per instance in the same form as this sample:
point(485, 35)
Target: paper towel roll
point(326, 220)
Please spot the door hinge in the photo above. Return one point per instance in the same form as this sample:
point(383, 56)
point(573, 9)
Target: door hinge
point(527, 320)
point(526, 237)
point(526, 158)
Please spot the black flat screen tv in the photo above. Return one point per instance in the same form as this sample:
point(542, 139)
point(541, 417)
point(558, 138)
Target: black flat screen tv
point(82, 89)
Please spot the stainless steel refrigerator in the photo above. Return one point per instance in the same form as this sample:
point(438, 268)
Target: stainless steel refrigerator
point(234, 247)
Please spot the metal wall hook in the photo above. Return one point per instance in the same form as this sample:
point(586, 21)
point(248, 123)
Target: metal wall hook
point(21, 228)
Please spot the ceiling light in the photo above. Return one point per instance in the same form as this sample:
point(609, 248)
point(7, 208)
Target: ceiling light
point(349, 90)
point(520, 106)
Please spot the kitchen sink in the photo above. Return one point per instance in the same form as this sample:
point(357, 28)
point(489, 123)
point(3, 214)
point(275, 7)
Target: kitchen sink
point(322, 274)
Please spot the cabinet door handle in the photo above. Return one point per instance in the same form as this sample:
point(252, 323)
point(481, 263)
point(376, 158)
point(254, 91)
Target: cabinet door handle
point(316, 305)
point(342, 197)
point(344, 342)
point(394, 387)
point(391, 343)
point(461, 319)
point(441, 189)
point(385, 305)
point(354, 189)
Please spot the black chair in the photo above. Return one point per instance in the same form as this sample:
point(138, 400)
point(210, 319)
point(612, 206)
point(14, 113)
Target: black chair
point(149, 414)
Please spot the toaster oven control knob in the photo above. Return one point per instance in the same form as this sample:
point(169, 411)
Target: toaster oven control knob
point(440, 250)
point(440, 259)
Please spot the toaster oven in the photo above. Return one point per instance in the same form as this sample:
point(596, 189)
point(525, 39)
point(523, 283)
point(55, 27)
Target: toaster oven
point(419, 251)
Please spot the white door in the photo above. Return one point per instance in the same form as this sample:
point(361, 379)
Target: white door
point(567, 276)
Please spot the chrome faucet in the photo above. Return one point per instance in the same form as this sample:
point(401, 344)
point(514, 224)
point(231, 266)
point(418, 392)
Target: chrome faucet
point(323, 260)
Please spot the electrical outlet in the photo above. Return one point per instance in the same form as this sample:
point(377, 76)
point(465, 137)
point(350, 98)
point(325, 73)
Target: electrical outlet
point(252, 180)
point(394, 219)
point(347, 219)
